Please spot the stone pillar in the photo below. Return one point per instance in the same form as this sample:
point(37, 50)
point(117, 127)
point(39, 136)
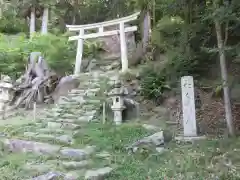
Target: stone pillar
point(124, 56)
point(79, 53)
point(188, 109)
point(188, 106)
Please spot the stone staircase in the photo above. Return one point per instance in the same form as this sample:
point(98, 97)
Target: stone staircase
point(53, 135)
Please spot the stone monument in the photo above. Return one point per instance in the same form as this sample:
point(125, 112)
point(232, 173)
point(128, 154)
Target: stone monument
point(6, 89)
point(188, 110)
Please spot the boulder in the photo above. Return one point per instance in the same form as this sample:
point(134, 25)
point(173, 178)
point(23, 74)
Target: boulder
point(132, 109)
point(156, 140)
point(65, 85)
point(111, 44)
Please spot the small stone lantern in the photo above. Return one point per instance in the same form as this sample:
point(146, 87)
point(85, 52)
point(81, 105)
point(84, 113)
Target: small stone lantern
point(6, 89)
point(117, 95)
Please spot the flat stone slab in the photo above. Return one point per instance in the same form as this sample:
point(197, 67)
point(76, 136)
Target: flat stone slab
point(90, 113)
point(77, 92)
point(57, 132)
point(151, 127)
point(98, 174)
point(17, 145)
point(88, 107)
point(40, 168)
point(79, 154)
point(38, 135)
point(104, 155)
point(85, 118)
point(189, 139)
point(74, 153)
point(57, 175)
point(66, 120)
point(63, 125)
point(72, 176)
point(47, 130)
point(69, 116)
point(160, 149)
point(75, 164)
point(67, 139)
point(49, 176)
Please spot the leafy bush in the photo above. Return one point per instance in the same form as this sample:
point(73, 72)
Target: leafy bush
point(181, 46)
point(10, 23)
point(57, 50)
point(153, 83)
point(166, 33)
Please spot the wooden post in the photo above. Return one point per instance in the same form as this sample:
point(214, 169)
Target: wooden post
point(79, 53)
point(34, 111)
point(104, 113)
point(123, 48)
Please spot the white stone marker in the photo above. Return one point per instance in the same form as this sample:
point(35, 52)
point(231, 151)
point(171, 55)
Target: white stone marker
point(188, 107)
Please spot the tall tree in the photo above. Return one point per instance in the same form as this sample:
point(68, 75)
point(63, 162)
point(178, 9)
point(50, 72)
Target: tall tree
point(221, 42)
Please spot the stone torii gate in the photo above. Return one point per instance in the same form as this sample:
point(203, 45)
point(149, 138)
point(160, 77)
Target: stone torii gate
point(100, 27)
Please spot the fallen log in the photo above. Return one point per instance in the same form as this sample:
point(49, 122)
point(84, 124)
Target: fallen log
point(36, 85)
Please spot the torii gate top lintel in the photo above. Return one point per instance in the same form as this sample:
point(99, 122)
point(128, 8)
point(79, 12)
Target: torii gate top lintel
point(103, 24)
point(122, 30)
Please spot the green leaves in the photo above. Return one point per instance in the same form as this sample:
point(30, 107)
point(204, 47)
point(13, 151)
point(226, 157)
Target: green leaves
point(57, 50)
point(153, 83)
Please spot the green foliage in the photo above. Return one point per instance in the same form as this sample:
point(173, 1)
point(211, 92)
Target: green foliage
point(181, 45)
point(57, 50)
point(167, 32)
point(59, 53)
point(153, 83)
point(12, 25)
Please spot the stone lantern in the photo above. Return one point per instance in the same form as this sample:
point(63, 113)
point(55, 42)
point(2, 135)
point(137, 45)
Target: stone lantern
point(6, 89)
point(117, 94)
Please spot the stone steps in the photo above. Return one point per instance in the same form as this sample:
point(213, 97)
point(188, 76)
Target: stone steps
point(63, 125)
point(62, 139)
point(57, 175)
point(19, 145)
point(54, 135)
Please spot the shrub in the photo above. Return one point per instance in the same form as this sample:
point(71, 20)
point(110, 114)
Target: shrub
point(11, 24)
point(57, 50)
point(153, 83)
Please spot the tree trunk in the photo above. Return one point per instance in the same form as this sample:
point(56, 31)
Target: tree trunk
point(222, 56)
point(146, 30)
point(141, 48)
point(32, 21)
point(1, 8)
point(44, 29)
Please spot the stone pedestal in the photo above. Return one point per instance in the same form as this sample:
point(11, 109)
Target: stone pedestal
point(2, 109)
point(118, 115)
point(6, 88)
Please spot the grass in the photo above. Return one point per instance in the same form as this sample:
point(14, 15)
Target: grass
point(208, 159)
point(205, 160)
point(12, 165)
